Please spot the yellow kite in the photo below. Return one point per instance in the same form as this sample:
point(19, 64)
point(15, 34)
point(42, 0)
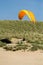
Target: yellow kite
point(30, 15)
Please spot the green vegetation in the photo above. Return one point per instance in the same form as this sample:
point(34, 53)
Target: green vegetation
point(18, 46)
point(27, 31)
point(2, 44)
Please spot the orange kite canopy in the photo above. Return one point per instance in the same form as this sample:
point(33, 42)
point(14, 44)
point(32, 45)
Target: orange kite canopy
point(30, 15)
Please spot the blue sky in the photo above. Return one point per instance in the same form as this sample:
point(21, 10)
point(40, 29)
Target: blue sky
point(9, 8)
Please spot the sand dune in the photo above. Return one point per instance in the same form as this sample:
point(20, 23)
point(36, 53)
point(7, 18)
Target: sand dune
point(20, 58)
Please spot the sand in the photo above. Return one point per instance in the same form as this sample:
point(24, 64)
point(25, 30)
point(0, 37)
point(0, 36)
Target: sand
point(20, 58)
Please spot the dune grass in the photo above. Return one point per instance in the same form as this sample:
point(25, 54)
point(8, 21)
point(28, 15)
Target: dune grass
point(32, 33)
